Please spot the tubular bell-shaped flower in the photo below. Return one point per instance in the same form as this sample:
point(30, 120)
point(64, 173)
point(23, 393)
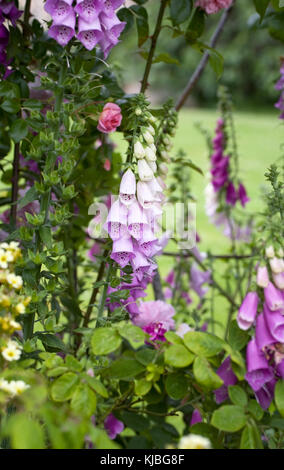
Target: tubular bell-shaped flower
point(64, 19)
point(263, 336)
point(89, 33)
point(145, 195)
point(258, 370)
point(226, 373)
point(136, 220)
point(275, 323)
point(248, 311)
point(127, 188)
point(144, 171)
point(273, 298)
point(122, 251)
point(262, 277)
point(116, 223)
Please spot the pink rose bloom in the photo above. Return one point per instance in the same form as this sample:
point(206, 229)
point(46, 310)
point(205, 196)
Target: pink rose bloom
point(110, 118)
point(155, 318)
point(213, 6)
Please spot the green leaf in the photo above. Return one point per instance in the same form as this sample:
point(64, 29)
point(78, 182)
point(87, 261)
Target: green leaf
point(11, 105)
point(261, 6)
point(166, 58)
point(237, 337)
point(196, 26)
point(63, 387)
point(178, 356)
point(25, 433)
point(180, 11)
point(203, 344)
point(251, 438)
point(133, 334)
point(30, 196)
point(141, 23)
point(84, 400)
point(124, 14)
point(96, 385)
point(57, 371)
point(205, 375)
point(135, 421)
point(229, 418)
point(145, 356)
point(73, 363)
point(124, 368)
point(172, 337)
point(105, 341)
point(216, 60)
point(51, 342)
point(19, 130)
point(279, 396)
point(45, 234)
point(9, 90)
point(142, 387)
point(237, 395)
point(176, 386)
point(255, 410)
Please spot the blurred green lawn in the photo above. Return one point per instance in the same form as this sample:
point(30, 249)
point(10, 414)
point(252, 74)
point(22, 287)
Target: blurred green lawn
point(259, 137)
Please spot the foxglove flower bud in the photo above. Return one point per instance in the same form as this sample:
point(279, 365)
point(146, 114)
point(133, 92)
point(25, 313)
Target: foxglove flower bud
point(139, 150)
point(144, 171)
point(269, 252)
point(127, 188)
point(148, 137)
point(248, 311)
point(277, 265)
point(279, 280)
point(150, 155)
point(262, 277)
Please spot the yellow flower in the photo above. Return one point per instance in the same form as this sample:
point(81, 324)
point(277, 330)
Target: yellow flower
point(14, 281)
point(5, 300)
point(5, 258)
point(15, 325)
point(193, 441)
point(12, 352)
point(26, 301)
point(20, 308)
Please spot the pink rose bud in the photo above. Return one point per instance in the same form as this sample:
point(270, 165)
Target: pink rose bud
point(110, 118)
point(262, 278)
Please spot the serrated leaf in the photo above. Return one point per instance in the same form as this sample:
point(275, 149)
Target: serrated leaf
point(30, 196)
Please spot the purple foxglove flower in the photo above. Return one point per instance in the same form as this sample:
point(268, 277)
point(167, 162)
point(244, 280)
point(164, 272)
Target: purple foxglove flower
point(198, 278)
point(265, 395)
point(4, 37)
point(116, 223)
point(10, 11)
point(170, 279)
point(113, 426)
point(89, 34)
point(58, 10)
point(136, 220)
point(277, 265)
point(147, 244)
point(140, 264)
point(204, 327)
point(145, 195)
point(127, 188)
point(217, 157)
point(88, 10)
point(231, 194)
point(263, 336)
point(218, 141)
point(248, 311)
point(155, 188)
point(273, 298)
point(242, 195)
point(226, 373)
point(275, 323)
point(280, 369)
point(186, 297)
point(278, 280)
point(122, 251)
point(109, 6)
point(262, 276)
point(195, 417)
point(258, 370)
point(64, 32)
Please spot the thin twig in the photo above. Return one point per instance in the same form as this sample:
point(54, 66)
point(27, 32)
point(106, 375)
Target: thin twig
point(190, 255)
point(95, 290)
point(154, 38)
point(15, 185)
point(203, 62)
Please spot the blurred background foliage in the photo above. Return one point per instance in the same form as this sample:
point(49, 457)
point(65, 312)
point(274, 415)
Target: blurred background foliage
point(251, 60)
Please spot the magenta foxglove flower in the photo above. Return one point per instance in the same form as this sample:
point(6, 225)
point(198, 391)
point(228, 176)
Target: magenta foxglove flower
point(136, 221)
point(248, 311)
point(275, 323)
point(262, 276)
point(116, 223)
point(263, 336)
point(89, 34)
point(140, 263)
point(242, 195)
point(273, 298)
point(113, 426)
point(226, 373)
point(265, 394)
point(127, 188)
point(122, 251)
point(64, 19)
point(195, 417)
point(231, 194)
point(9, 11)
point(88, 10)
point(258, 369)
point(280, 369)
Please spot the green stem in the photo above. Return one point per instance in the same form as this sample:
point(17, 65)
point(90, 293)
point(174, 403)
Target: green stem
point(104, 293)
